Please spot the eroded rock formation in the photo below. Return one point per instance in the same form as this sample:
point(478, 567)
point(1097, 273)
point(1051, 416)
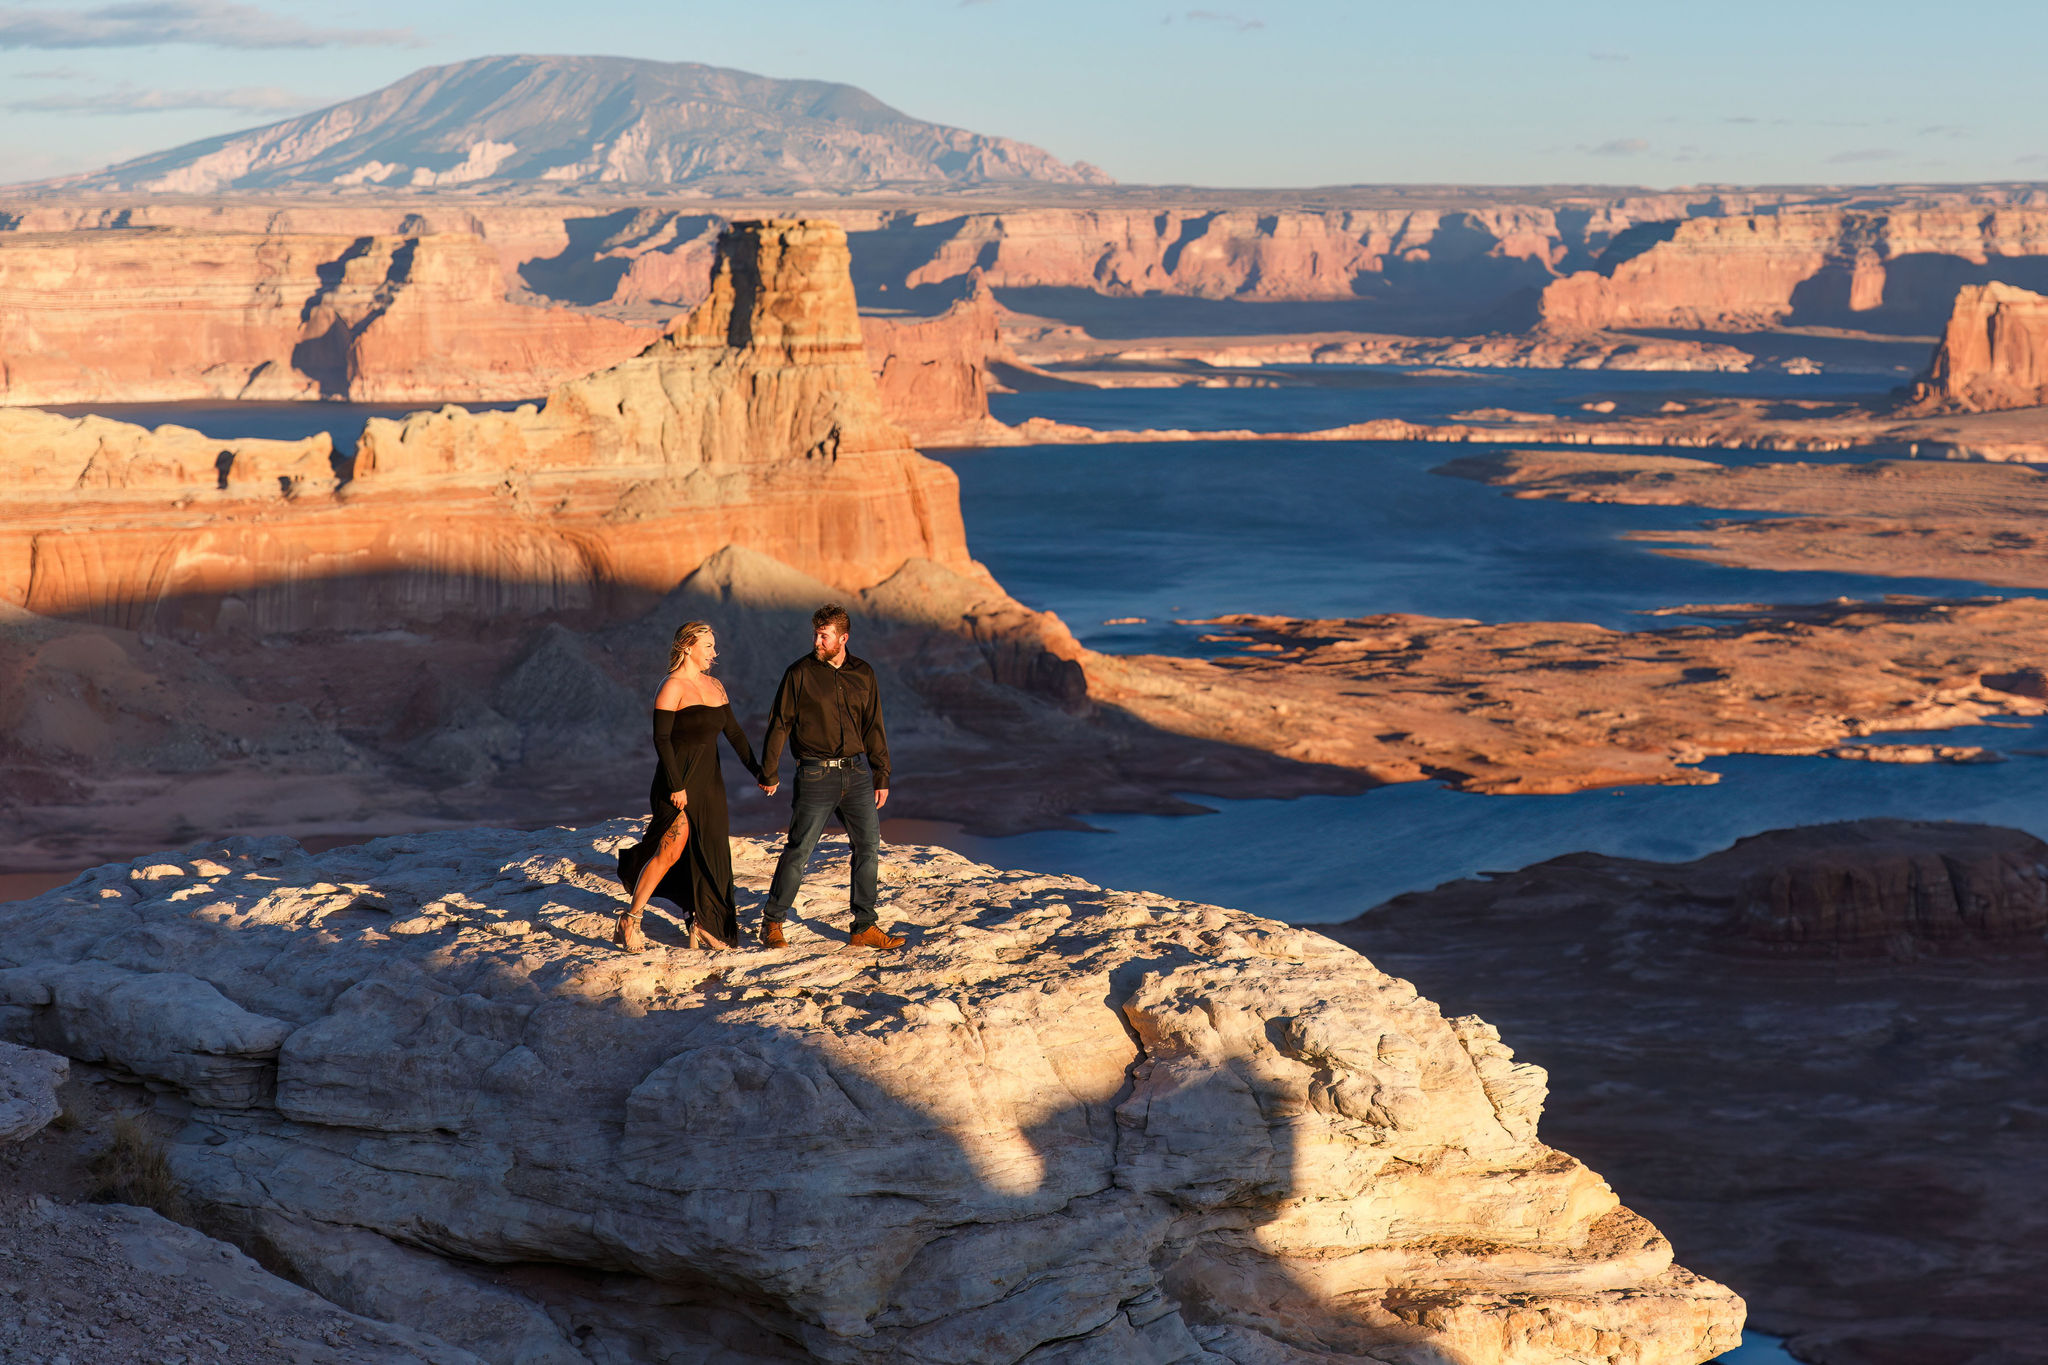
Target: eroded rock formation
point(754, 422)
point(1814, 1058)
point(1994, 353)
point(1539, 707)
point(933, 373)
point(1750, 271)
point(130, 316)
point(1065, 1124)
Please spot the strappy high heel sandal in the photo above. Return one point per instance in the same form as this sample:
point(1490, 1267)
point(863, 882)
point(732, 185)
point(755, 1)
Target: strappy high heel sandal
point(627, 935)
point(705, 939)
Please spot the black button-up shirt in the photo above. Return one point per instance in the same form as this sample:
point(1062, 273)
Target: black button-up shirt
point(827, 712)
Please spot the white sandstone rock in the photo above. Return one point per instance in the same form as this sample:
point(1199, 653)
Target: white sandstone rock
point(29, 1078)
point(1064, 1124)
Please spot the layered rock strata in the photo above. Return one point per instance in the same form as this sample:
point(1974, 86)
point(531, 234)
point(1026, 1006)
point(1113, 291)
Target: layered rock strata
point(755, 421)
point(1814, 1057)
point(130, 316)
point(1539, 707)
point(1898, 265)
point(1993, 354)
point(934, 373)
point(1064, 1124)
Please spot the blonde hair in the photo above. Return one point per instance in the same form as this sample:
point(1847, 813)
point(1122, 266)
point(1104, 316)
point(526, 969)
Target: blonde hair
point(686, 636)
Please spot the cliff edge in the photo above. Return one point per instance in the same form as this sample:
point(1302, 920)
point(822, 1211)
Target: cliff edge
point(1065, 1124)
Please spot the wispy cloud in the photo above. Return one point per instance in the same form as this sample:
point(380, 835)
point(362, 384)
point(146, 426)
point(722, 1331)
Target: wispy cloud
point(1948, 130)
point(209, 23)
point(1607, 56)
point(1621, 146)
point(1858, 154)
point(1223, 17)
point(126, 99)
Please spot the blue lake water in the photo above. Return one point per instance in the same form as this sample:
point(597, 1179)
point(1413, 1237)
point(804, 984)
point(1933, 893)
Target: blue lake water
point(1757, 1349)
point(1341, 395)
point(1183, 530)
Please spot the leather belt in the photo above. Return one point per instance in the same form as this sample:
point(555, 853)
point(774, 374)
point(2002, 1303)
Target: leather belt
point(835, 762)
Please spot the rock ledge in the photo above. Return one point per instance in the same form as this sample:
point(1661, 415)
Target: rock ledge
point(1066, 1124)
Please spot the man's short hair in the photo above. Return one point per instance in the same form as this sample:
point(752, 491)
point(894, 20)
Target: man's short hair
point(832, 614)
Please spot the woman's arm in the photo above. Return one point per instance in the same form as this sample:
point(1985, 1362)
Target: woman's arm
point(673, 768)
point(737, 737)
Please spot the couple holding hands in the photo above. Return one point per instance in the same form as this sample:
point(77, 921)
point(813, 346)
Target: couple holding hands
point(829, 709)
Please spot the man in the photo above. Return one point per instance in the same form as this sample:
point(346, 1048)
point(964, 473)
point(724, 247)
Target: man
point(829, 706)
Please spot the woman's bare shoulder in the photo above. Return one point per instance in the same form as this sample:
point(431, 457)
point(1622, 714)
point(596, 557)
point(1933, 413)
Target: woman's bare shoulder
point(671, 696)
point(718, 693)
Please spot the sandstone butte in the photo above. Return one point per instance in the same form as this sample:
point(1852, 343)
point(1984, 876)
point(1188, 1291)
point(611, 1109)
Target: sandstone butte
point(754, 421)
point(1993, 354)
point(1066, 1124)
point(1815, 1051)
point(134, 316)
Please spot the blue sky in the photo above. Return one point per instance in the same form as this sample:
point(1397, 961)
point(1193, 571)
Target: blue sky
point(1257, 93)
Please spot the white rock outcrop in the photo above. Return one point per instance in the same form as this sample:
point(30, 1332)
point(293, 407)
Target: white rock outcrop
point(29, 1078)
point(1064, 1124)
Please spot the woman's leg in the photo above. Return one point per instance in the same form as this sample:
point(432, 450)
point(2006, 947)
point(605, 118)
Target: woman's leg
point(670, 848)
point(666, 851)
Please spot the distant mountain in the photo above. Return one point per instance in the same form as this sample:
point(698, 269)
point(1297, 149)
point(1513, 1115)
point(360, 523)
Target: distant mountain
point(605, 122)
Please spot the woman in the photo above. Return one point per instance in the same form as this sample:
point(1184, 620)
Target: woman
point(686, 856)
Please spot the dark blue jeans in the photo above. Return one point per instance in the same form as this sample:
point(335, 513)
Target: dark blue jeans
point(821, 793)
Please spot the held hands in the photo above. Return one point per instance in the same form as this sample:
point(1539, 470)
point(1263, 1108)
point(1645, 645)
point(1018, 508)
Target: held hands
point(881, 797)
point(768, 788)
point(681, 799)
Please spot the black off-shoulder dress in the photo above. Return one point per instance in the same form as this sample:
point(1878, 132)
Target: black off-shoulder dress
point(700, 883)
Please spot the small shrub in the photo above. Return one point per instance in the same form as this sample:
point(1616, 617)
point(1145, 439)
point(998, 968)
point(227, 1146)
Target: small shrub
point(133, 1168)
point(65, 1121)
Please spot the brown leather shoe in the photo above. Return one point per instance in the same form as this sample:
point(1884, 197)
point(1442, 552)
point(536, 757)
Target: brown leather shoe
point(771, 934)
point(873, 937)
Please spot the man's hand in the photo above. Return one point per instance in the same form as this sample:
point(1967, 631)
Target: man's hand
point(681, 799)
point(881, 797)
point(768, 788)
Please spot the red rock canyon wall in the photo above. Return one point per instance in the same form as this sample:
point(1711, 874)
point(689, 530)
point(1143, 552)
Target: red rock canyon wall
point(754, 422)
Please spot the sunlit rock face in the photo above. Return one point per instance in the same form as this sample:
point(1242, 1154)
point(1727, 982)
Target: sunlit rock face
point(1993, 354)
point(1901, 263)
point(1065, 1123)
point(175, 314)
point(934, 372)
point(755, 422)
